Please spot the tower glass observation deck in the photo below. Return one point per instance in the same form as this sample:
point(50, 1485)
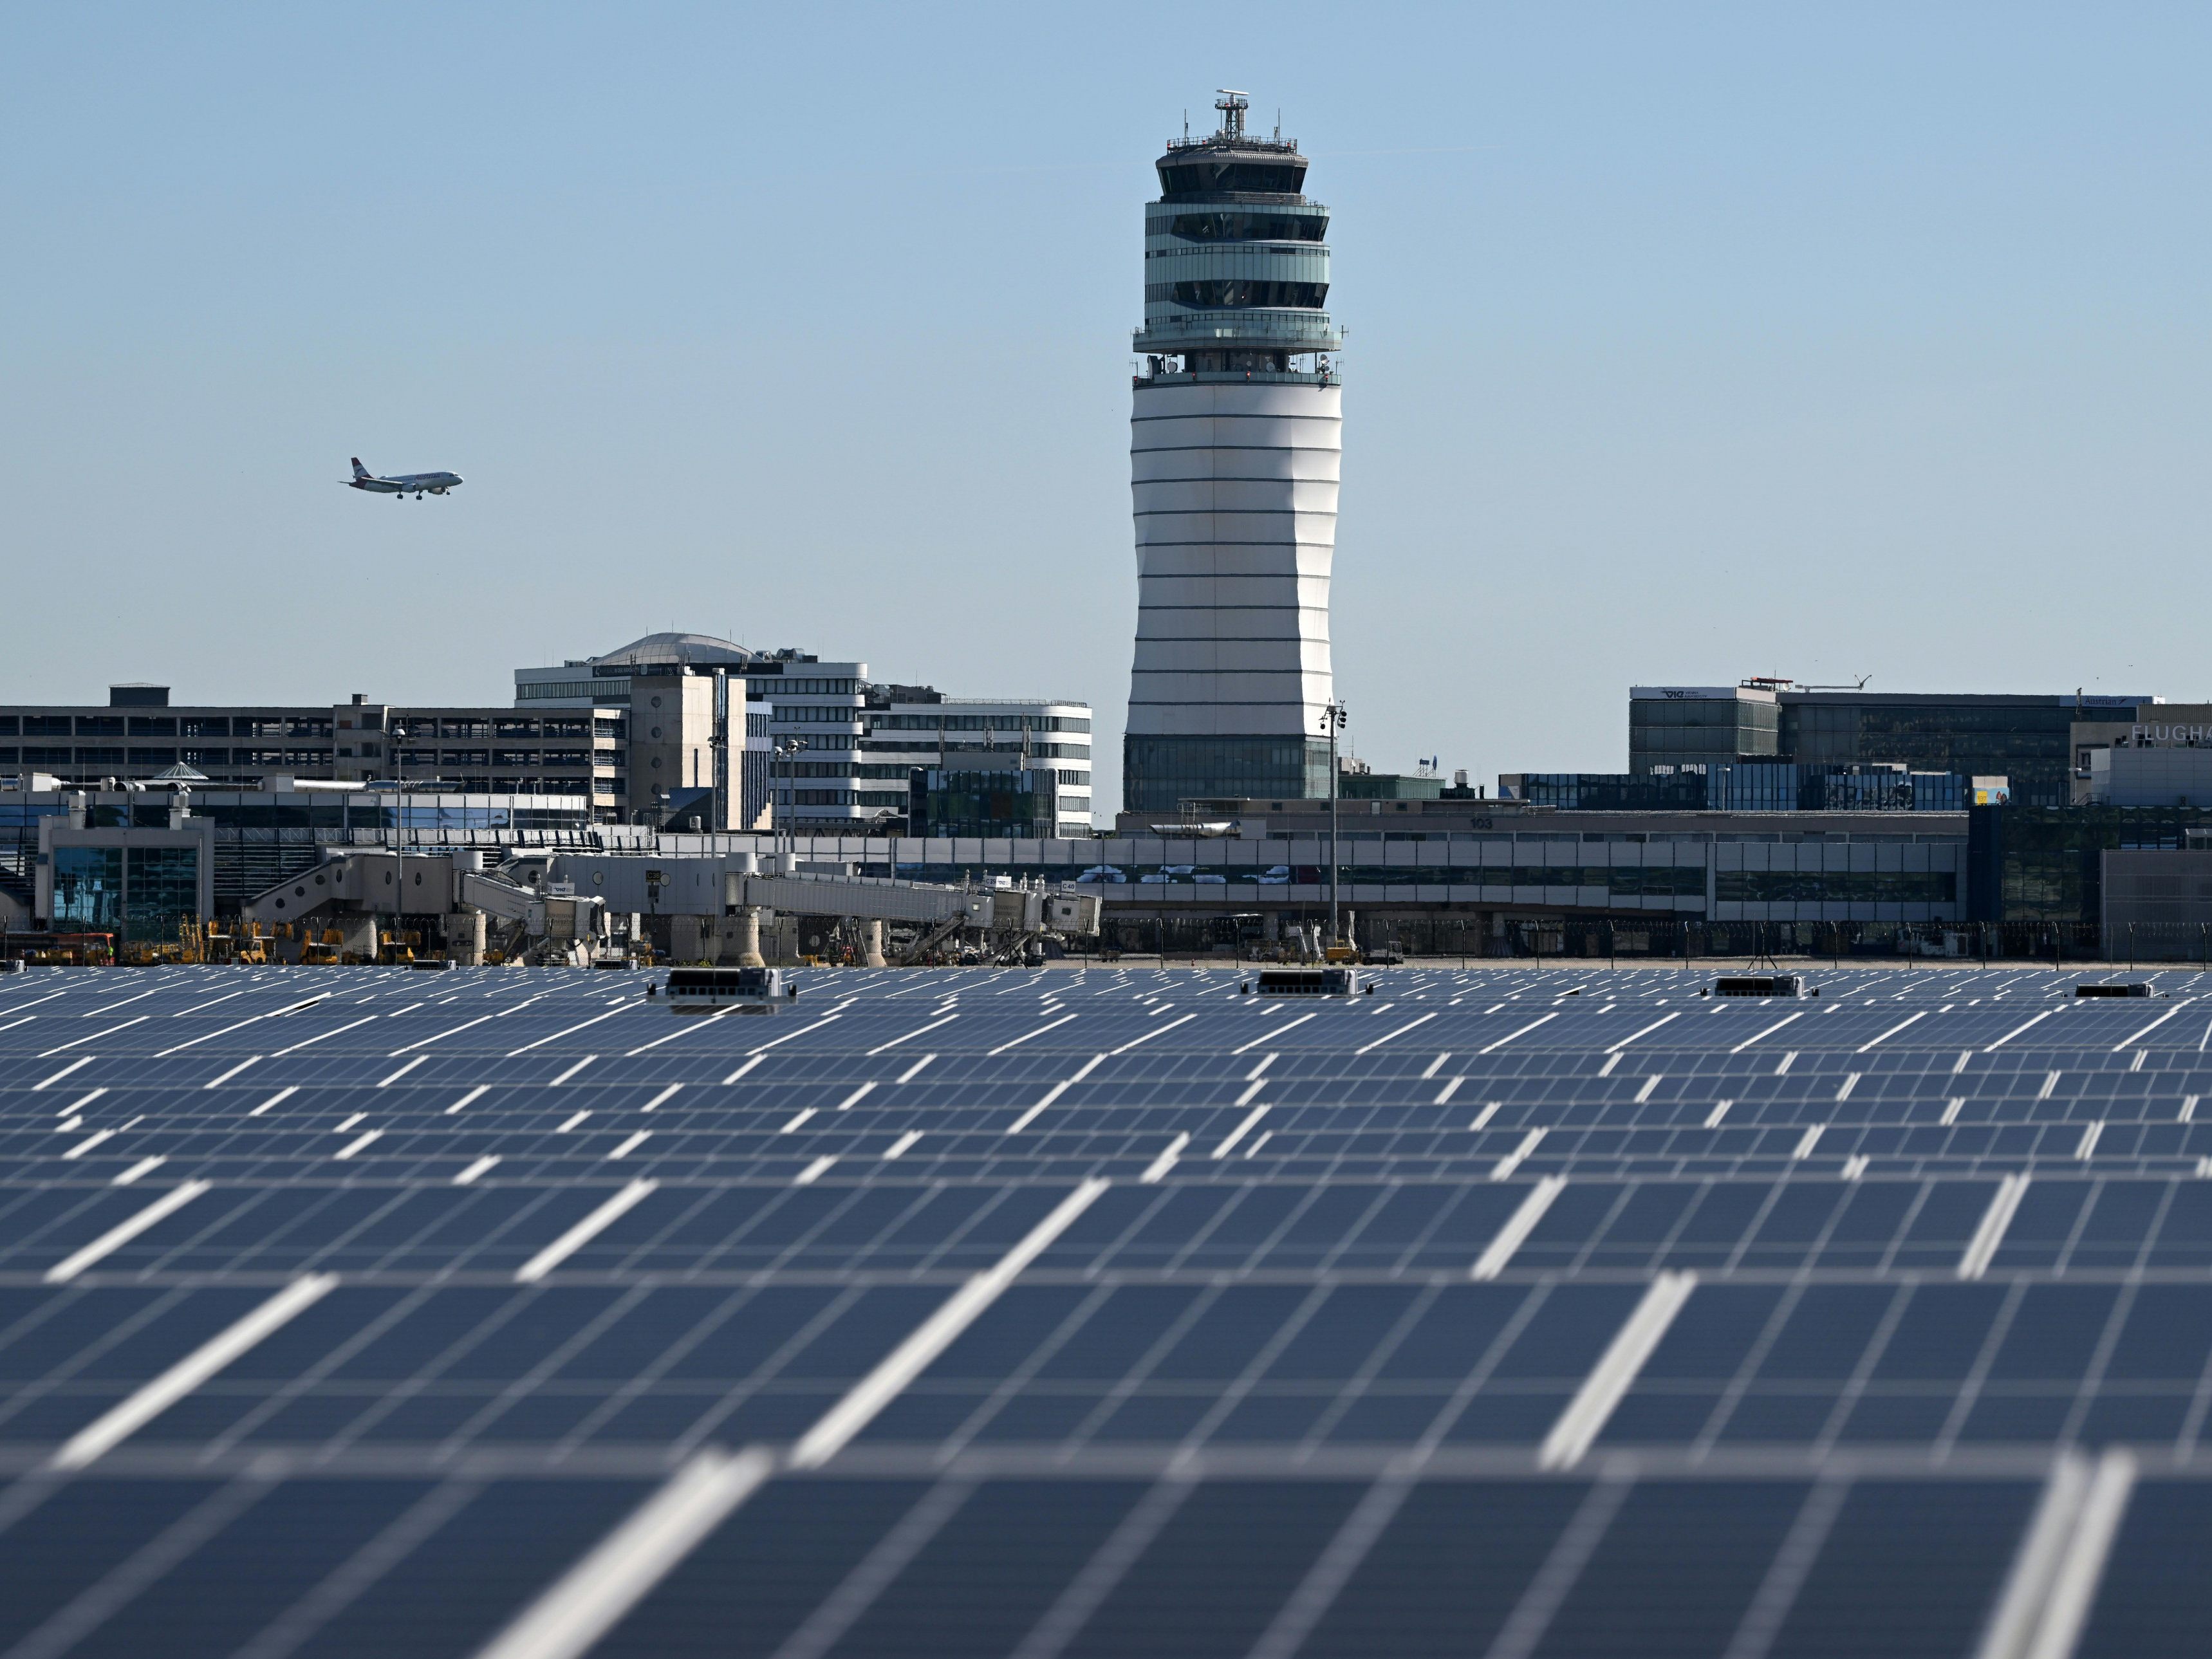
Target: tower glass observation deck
point(1236, 260)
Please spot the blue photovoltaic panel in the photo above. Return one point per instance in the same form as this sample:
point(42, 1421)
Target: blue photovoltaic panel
point(1521, 1310)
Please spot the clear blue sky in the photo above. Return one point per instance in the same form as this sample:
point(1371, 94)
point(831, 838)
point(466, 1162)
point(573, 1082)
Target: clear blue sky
point(1686, 343)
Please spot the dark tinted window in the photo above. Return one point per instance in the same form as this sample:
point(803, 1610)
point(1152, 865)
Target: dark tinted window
point(1247, 228)
point(1239, 292)
point(1210, 178)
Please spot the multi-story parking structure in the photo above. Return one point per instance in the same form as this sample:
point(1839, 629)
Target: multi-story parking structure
point(139, 734)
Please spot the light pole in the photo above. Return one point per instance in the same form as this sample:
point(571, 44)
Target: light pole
point(395, 730)
point(1334, 717)
point(784, 750)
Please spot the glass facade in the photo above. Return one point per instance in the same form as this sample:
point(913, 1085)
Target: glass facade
point(2048, 861)
point(1019, 804)
point(1242, 226)
point(89, 890)
point(163, 891)
point(1748, 786)
point(19, 842)
point(1610, 792)
point(1836, 886)
point(1705, 730)
point(1209, 176)
point(1235, 292)
point(1158, 773)
point(2024, 739)
point(1235, 258)
point(1500, 880)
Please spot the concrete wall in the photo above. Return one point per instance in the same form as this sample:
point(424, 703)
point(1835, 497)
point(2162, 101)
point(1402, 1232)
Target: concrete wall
point(671, 735)
point(2159, 776)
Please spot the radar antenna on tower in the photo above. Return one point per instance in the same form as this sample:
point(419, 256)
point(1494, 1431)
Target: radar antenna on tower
point(1232, 105)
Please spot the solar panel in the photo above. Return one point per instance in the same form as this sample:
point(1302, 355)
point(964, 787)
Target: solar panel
point(1523, 1311)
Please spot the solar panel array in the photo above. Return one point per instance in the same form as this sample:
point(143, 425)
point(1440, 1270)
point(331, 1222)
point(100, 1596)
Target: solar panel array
point(1505, 1311)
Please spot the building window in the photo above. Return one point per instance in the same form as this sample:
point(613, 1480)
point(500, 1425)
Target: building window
point(164, 890)
point(87, 888)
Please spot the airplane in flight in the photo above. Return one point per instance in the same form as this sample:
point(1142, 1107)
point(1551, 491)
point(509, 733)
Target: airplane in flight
point(437, 483)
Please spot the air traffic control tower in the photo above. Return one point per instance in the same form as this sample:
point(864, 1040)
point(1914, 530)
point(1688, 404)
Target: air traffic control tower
point(1234, 451)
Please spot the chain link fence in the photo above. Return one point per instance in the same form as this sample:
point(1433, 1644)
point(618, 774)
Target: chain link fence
point(1530, 938)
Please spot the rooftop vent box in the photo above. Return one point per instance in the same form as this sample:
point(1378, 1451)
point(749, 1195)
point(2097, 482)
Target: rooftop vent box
point(1310, 983)
point(727, 990)
point(138, 697)
point(2113, 988)
point(1763, 985)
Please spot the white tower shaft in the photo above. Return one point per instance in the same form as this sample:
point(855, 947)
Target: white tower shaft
point(1235, 488)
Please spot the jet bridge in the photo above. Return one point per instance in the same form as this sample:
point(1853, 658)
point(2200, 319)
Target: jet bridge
point(718, 884)
point(453, 884)
point(564, 900)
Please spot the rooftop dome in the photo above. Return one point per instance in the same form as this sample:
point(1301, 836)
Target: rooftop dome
point(679, 648)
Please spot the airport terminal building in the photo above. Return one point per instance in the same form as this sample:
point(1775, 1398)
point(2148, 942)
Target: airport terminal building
point(2026, 740)
point(676, 730)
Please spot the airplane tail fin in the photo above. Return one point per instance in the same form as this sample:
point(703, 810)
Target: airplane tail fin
point(359, 470)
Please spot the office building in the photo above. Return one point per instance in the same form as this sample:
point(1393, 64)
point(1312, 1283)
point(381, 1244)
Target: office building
point(1047, 741)
point(2026, 740)
point(1745, 786)
point(822, 749)
point(1672, 726)
point(698, 754)
point(2044, 866)
point(139, 734)
point(1234, 452)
